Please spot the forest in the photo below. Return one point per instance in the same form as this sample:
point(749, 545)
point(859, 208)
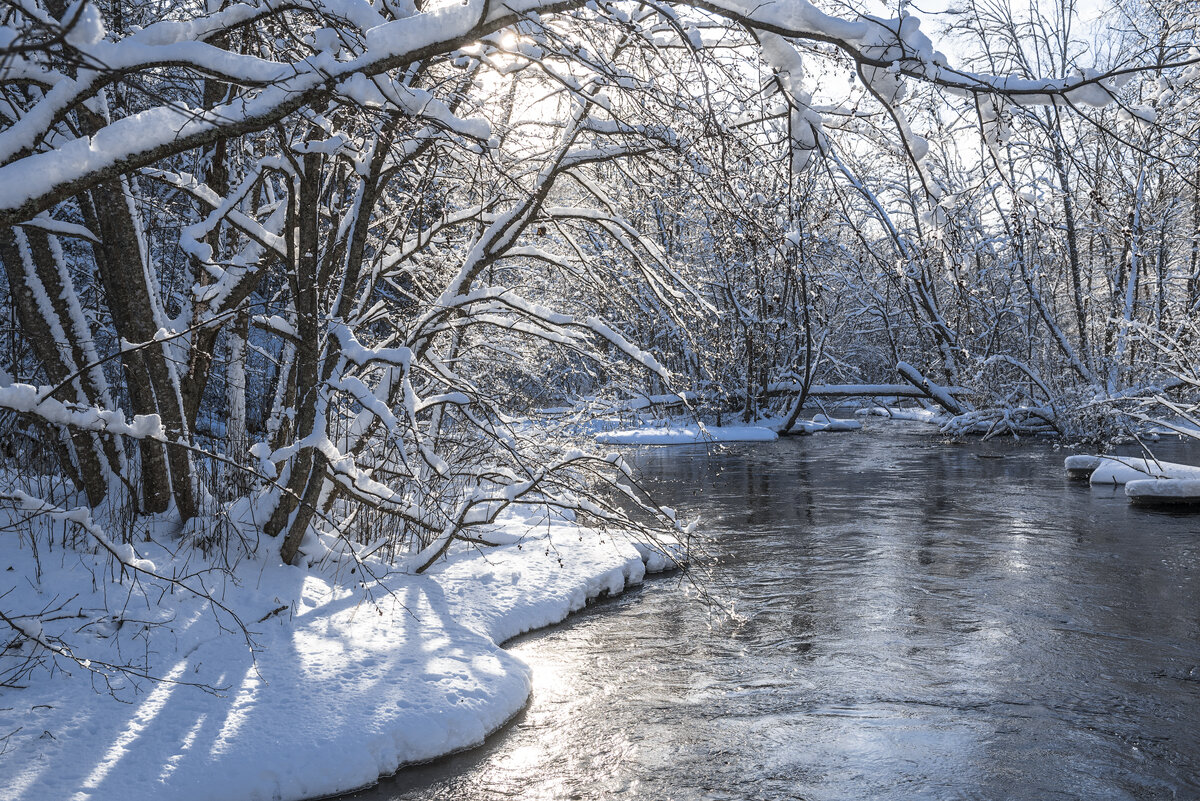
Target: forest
point(343, 284)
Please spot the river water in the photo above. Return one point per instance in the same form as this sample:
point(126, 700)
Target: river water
point(911, 619)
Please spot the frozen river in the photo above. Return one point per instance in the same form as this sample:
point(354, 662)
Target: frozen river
point(912, 620)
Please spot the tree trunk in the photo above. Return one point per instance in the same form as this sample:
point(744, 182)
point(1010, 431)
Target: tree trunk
point(44, 330)
point(297, 504)
point(153, 388)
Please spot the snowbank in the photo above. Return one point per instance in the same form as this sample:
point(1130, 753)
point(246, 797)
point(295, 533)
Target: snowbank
point(766, 430)
point(687, 435)
point(1081, 466)
point(1112, 470)
point(1081, 461)
point(343, 688)
point(914, 415)
point(822, 422)
point(1174, 491)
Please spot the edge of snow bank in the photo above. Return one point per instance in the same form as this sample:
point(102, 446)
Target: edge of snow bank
point(821, 423)
point(1082, 461)
point(1122, 470)
point(1166, 490)
point(343, 692)
point(687, 435)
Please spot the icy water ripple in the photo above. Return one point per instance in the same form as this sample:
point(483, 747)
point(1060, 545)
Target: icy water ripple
point(914, 619)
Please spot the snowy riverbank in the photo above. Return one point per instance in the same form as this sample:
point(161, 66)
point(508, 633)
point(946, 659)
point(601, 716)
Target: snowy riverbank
point(685, 434)
point(341, 690)
point(682, 432)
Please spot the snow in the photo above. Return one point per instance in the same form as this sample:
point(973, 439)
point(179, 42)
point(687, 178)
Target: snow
point(859, 390)
point(805, 124)
point(1125, 469)
point(1174, 427)
point(354, 351)
point(347, 683)
point(659, 557)
point(647, 401)
point(86, 26)
point(29, 183)
point(821, 422)
point(1177, 490)
point(1081, 466)
point(34, 400)
point(1082, 462)
point(687, 435)
point(894, 413)
point(46, 223)
point(934, 391)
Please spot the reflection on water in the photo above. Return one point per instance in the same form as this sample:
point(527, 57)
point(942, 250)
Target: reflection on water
point(914, 620)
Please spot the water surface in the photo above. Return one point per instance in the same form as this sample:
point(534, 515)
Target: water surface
point(913, 619)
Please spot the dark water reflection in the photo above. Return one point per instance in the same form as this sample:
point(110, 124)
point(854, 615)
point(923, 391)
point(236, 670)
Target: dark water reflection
point(915, 620)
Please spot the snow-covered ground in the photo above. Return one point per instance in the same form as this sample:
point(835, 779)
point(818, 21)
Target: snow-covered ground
point(911, 414)
point(683, 433)
point(686, 434)
point(822, 423)
point(346, 683)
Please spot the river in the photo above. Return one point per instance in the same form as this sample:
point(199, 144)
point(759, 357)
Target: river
point(903, 618)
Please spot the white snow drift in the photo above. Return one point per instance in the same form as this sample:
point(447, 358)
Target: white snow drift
point(687, 435)
point(346, 683)
point(1177, 490)
point(1121, 470)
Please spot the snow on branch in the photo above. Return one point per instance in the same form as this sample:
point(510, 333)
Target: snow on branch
point(33, 181)
point(36, 401)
